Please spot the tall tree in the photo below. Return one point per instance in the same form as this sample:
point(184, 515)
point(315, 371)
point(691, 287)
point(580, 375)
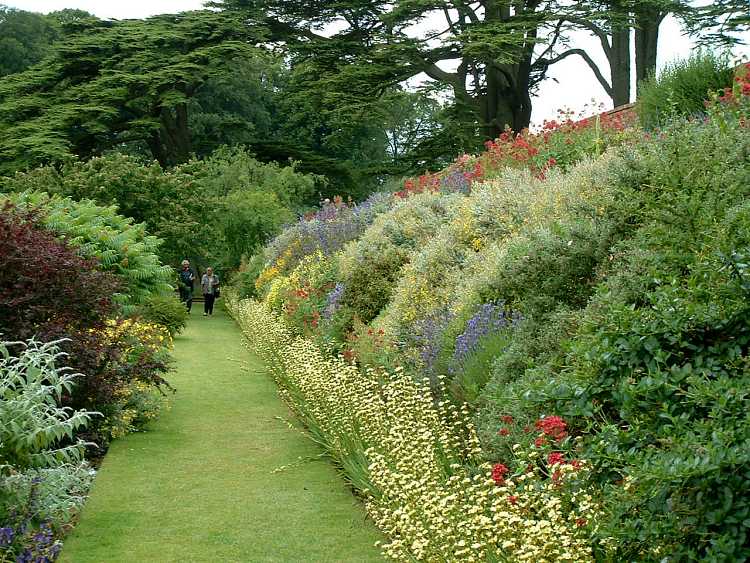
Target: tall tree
point(25, 39)
point(112, 84)
point(485, 52)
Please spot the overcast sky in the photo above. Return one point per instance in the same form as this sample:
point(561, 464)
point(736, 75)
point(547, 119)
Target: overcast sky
point(573, 87)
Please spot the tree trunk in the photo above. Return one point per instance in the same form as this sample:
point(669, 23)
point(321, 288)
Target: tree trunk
point(171, 143)
point(619, 65)
point(507, 102)
point(647, 22)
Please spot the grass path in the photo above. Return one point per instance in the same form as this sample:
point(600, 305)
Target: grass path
point(199, 486)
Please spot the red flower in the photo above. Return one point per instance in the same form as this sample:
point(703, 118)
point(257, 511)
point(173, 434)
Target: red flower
point(499, 471)
point(539, 442)
point(555, 458)
point(552, 426)
point(576, 463)
point(507, 419)
point(503, 432)
point(512, 499)
point(580, 522)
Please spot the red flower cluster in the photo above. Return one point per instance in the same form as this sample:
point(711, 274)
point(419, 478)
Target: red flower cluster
point(731, 96)
point(499, 471)
point(553, 427)
point(554, 458)
point(538, 152)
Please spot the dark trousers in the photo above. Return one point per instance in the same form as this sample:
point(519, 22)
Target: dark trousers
point(186, 296)
point(208, 303)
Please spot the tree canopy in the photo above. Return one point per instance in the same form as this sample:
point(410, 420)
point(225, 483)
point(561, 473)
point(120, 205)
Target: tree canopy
point(112, 84)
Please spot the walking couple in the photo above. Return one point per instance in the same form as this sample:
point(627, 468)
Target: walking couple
point(209, 287)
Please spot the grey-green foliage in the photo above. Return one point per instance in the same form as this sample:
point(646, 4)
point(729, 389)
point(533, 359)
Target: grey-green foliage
point(681, 88)
point(32, 425)
point(58, 492)
point(120, 246)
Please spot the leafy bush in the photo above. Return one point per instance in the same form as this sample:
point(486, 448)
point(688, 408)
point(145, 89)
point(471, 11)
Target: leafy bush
point(247, 274)
point(164, 310)
point(661, 359)
point(36, 507)
point(42, 479)
point(116, 358)
point(115, 242)
point(371, 266)
point(43, 281)
point(32, 424)
point(682, 88)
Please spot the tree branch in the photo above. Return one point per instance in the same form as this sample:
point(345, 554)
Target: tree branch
point(546, 63)
point(597, 31)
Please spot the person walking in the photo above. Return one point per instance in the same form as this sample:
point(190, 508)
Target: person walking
point(210, 288)
point(187, 279)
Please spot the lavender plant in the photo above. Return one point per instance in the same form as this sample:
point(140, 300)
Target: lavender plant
point(327, 230)
point(333, 301)
point(490, 319)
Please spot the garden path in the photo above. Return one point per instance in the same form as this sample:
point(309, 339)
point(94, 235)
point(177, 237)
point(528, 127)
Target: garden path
point(200, 486)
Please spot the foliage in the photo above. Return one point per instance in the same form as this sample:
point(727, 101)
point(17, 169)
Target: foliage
point(99, 233)
point(166, 311)
point(371, 265)
point(238, 200)
point(124, 362)
point(25, 39)
point(681, 89)
point(43, 281)
point(559, 145)
point(114, 84)
point(34, 427)
point(35, 506)
point(325, 231)
point(244, 279)
point(665, 342)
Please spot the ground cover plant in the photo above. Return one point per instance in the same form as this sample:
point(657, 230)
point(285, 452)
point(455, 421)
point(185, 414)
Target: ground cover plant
point(590, 308)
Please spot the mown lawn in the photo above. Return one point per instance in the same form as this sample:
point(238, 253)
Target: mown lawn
point(200, 486)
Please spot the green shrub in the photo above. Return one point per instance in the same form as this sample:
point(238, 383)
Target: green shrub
point(243, 280)
point(120, 246)
point(32, 425)
point(36, 507)
point(681, 89)
point(165, 310)
point(659, 370)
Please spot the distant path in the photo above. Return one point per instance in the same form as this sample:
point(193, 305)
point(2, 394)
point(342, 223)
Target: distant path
point(199, 485)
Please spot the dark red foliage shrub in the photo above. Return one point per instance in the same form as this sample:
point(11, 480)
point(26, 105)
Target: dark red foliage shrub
point(43, 282)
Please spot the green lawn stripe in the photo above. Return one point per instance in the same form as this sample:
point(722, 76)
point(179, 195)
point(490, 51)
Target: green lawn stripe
point(199, 485)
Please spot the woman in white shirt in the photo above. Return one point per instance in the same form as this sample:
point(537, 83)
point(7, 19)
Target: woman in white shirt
point(210, 287)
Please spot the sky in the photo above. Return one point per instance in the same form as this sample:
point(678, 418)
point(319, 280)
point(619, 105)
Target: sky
point(571, 85)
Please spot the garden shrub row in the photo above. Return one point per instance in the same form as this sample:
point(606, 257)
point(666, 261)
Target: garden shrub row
point(593, 276)
point(80, 361)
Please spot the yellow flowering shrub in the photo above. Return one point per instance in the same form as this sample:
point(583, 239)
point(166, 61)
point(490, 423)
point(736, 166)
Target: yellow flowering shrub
point(142, 355)
point(492, 217)
point(418, 463)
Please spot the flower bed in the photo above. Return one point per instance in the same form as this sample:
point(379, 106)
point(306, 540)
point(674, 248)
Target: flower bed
point(418, 465)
